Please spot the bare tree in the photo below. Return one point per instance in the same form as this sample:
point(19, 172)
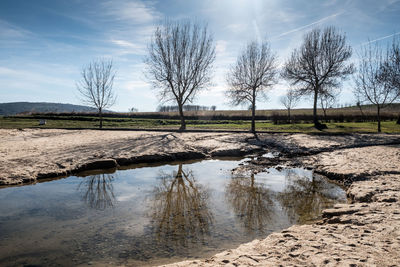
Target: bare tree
point(328, 100)
point(252, 202)
point(252, 74)
point(180, 208)
point(289, 101)
point(319, 64)
point(98, 191)
point(359, 102)
point(180, 61)
point(303, 199)
point(372, 84)
point(391, 67)
point(96, 86)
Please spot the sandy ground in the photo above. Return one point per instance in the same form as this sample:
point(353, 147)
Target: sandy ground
point(360, 162)
point(365, 232)
point(32, 154)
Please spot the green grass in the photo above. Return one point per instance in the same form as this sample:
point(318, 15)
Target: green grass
point(343, 127)
point(92, 122)
point(367, 110)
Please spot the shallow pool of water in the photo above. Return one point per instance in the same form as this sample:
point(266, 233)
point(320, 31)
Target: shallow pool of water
point(154, 214)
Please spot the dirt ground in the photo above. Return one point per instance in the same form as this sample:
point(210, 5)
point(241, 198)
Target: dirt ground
point(365, 232)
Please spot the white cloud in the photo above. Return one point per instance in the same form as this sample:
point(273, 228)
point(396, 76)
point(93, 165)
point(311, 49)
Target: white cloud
point(381, 38)
point(31, 78)
point(387, 4)
point(310, 24)
point(237, 27)
point(125, 47)
point(137, 12)
point(39, 83)
point(135, 85)
point(124, 43)
point(11, 34)
point(220, 46)
point(256, 30)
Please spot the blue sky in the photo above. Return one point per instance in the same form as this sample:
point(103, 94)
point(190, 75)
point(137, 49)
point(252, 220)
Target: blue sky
point(45, 43)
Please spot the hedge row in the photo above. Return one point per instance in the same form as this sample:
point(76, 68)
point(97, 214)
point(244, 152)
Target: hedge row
point(276, 118)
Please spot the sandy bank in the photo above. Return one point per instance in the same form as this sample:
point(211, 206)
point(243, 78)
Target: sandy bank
point(32, 154)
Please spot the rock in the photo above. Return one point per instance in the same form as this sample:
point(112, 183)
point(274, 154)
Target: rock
point(328, 213)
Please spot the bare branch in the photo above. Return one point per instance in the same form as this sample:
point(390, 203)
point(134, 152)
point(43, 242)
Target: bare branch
point(320, 64)
point(328, 99)
point(374, 80)
point(290, 99)
point(391, 65)
point(96, 85)
point(180, 60)
point(253, 73)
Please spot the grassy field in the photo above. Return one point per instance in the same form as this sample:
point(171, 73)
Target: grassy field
point(233, 125)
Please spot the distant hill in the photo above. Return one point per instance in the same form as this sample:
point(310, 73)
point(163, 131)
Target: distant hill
point(14, 108)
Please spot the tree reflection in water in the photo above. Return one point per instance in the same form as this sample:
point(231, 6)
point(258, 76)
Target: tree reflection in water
point(98, 191)
point(180, 210)
point(251, 201)
point(304, 198)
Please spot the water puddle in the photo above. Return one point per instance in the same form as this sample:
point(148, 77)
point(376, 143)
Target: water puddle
point(270, 155)
point(154, 214)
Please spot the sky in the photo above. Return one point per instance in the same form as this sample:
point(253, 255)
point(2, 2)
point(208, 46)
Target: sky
point(45, 43)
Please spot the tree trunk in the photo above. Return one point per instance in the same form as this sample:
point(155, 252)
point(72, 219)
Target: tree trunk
point(101, 118)
point(362, 113)
point(315, 118)
point(179, 173)
point(253, 113)
point(324, 109)
point(183, 123)
point(288, 110)
point(379, 118)
point(317, 124)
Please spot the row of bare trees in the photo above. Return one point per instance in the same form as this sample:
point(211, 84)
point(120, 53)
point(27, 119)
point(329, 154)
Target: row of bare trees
point(317, 68)
point(185, 108)
point(180, 64)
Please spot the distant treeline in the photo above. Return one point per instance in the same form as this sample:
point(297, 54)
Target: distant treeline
point(277, 117)
point(14, 108)
point(185, 108)
point(337, 117)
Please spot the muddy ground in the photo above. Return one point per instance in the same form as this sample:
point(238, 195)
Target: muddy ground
point(365, 232)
